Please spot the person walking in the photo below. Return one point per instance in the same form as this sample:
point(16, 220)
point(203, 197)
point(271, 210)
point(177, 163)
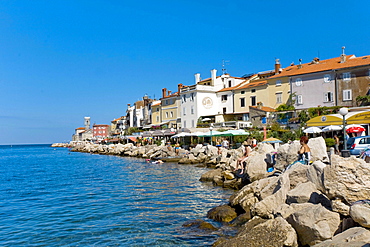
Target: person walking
point(336, 144)
point(225, 143)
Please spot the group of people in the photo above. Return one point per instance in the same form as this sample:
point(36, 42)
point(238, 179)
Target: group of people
point(304, 154)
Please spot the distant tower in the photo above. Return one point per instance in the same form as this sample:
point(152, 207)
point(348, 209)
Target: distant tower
point(87, 123)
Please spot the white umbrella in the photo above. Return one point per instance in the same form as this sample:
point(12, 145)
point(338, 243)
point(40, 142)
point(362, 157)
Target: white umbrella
point(182, 134)
point(312, 130)
point(331, 128)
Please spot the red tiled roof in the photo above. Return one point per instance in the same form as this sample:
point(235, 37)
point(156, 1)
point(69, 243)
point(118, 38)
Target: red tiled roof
point(101, 125)
point(324, 65)
point(263, 108)
point(80, 128)
point(115, 120)
point(157, 104)
point(171, 95)
point(255, 83)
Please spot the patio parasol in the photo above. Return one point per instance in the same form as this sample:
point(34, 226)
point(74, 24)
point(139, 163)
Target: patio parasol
point(272, 140)
point(354, 128)
point(312, 130)
point(331, 128)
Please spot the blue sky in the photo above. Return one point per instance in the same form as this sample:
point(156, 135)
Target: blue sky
point(63, 60)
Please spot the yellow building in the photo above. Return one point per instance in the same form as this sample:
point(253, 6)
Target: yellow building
point(170, 108)
point(249, 95)
point(278, 91)
point(156, 113)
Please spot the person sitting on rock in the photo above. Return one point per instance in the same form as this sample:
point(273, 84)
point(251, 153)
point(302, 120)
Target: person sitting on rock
point(240, 161)
point(304, 153)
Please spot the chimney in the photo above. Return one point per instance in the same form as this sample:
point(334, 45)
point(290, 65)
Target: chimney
point(197, 78)
point(179, 86)
point(277, 66)
point(164, 91)
point(343, 57)
point(169, 92)
point(213, 76)
point(300, 63)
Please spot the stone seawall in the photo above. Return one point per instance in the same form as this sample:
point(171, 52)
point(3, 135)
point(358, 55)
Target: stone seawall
point(326, 203)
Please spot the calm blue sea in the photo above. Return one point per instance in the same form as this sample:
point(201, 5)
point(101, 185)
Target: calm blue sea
point(53, 197)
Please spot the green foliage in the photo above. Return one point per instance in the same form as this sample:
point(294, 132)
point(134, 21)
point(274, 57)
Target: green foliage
point(275, 126)
point(285, 107)
point(329, 142)
point(132, 130)
point(363, 100)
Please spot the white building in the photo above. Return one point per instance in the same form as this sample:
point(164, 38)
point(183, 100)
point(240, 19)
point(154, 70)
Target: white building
point(200, 100)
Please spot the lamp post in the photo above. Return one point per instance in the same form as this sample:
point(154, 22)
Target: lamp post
point(210, 130)
point(344, 111)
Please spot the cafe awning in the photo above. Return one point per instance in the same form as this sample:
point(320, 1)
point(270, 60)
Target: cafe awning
point(358, 117)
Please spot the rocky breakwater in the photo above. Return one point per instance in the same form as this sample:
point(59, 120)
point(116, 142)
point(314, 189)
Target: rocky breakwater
point(322, 204)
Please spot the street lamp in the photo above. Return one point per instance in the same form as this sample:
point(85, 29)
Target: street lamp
point(344, 111)
point(210, 130)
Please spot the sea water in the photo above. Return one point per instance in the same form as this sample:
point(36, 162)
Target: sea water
point(54, 197)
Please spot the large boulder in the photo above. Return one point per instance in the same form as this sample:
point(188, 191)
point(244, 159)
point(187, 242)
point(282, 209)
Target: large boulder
point(318, 149)
point(265, 207)
point(210, 175)
point(314, 224)
point(353, 237)
point(347, 179)
point(223, 213)
point(286, 155)
point(301, 193)
point(360, 213)
point(258, 232)
point(256, 167)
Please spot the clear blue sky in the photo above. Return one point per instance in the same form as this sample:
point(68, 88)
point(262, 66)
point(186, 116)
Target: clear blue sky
point(63, 60)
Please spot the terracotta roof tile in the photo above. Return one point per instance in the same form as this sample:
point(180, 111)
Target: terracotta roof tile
point(252, 84)
point(264, 108)
point(324, 65)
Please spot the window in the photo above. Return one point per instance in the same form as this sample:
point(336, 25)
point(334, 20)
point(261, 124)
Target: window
point(184, 124)
point(253, 100)
point(192, 123)
point(230, 83)
point(166, 101)
point(224, 110)
point(224, 97)
point(157, 118)
point(328, 97)
point(184, 98)
point(347, 76)
point(279, 98)
point(278, 83)
point(184, 111)
point(242, 102)
point(347, 95)
point(157, 109)
point(192, 96)
point(253, 90)
point(299, 99)
point(192, 109)
point(246, 117)
point(243, 92)
point(166, 114)
point(298, 82)
point(171, 114)
point(327, 78)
